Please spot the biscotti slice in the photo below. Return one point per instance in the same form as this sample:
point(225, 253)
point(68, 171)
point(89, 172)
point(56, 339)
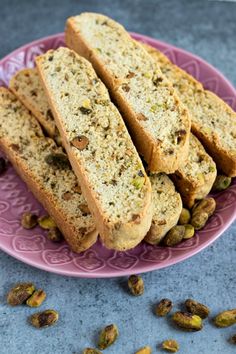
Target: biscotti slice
point(213, 121)
point(46, 170)
point(159, 124)
point(99, 147)
point(25, 84)
point(195, 178)
point(167, 206)
point(214, 124)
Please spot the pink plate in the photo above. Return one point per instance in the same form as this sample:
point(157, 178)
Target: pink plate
point(31, 246)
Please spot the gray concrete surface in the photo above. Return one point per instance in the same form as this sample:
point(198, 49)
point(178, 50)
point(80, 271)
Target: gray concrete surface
point(206, 28)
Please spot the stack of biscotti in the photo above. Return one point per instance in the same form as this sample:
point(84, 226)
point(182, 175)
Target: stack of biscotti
point(167, 202)
point(47, 172)
point(74, 108)
point(120, 63)
point(158, 122)
point(194, 179)
point(103, 157)
point(213, 121)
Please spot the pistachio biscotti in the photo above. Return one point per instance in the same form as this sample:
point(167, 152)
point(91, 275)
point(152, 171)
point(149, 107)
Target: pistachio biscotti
point(46, 170)
point(213, 121)
point(99, 147)
point(159, 124)
point(195, 178)
point(167, 203)
point(26, 86)
point(167, 206)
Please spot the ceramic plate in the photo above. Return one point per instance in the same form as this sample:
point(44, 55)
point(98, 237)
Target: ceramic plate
point(32, 247)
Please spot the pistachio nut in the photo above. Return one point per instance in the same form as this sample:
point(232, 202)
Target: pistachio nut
point(199, 220)
point(85, 110)
point(225, 318)
point(138, 182)
point(20, 293)
point(44, 319)
point(91, 351)
point(55, 235)
point(58, 160)
point(170, 345)
point(36, 299)
point(185, 217)
point(206, 205)
point(221, 183)
point(196, 308)
point(212, 169)
point(29, 220)
point(144, 350)
point(80, 142)
point(163, 307)
point(136, 285)
point(189, 231)
point(187, 321)
point(46, 222)
point(174, 236)
point(108, 336)
point(233, 339)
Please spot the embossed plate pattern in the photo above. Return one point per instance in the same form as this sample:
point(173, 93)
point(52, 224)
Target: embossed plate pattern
point(31, 246)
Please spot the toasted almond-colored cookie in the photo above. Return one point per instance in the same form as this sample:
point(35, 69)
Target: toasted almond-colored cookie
point(46, 170)
point(162, 189)
point(213, 121)
point(195, 178)
point(167, 206)
point(99, 147)
point(158, 122)
point(25, 84)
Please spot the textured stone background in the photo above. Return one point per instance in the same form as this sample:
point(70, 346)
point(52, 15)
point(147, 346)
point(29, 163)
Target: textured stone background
point(206, 28)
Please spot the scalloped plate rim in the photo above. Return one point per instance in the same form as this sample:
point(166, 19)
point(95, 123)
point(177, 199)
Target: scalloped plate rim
point(139, 268)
